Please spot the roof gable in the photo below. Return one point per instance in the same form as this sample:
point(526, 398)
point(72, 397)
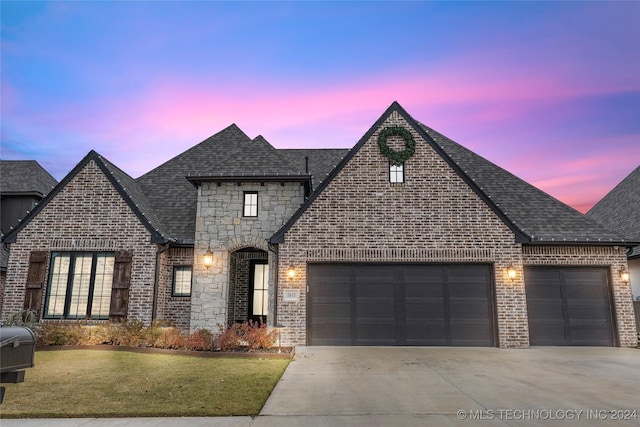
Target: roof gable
point(532, 215)
point(25, 177)
point(123, 183)
point(167, 190)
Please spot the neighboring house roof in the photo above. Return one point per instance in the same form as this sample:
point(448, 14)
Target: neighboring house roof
point(533, 216)
point(123, 183)
point(171, 196)
point(619, 210)
point(24, 177)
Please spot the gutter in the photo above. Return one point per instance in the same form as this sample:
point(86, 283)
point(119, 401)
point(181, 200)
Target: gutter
point(276, 259)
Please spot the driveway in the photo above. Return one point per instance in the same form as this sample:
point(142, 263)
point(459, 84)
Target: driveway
point(406, 386)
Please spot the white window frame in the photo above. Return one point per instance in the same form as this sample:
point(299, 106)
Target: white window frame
point(396, 173)
point(250, 205)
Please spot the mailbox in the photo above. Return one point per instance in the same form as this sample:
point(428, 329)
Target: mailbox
point(17, 350)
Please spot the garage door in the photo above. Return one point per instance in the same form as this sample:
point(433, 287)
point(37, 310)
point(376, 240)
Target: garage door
point(569, 306)
point(400, 304)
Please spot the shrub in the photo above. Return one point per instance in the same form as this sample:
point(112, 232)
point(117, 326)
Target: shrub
point(258, 336)
point(229, 337)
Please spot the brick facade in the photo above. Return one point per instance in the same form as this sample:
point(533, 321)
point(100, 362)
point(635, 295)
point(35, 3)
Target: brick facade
point(88, 214)
point(612, 257)
point(174, 309)
point(433, 216)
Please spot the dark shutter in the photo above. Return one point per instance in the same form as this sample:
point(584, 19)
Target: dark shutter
point(36, 277)
point(120, 287)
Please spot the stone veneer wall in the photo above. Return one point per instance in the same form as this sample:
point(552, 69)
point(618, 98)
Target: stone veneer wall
point(221, 226)
point(433, 217)
point(176, 310)
point(606, 256)
point(88, 214)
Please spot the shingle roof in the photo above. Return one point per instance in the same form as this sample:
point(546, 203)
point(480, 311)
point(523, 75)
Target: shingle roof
point(25, 177)
point(171, 196)
point(533, 216)
point(258, 158)
point(619, 210)
point(123, 183)
point(321, 161)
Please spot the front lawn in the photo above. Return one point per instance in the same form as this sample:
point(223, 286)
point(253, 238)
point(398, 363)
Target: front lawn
point(97, 383)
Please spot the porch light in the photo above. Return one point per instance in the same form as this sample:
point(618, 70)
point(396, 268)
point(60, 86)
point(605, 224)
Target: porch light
point(291, 272)
point(624, 275)
point(511, 272)
point(208, 258)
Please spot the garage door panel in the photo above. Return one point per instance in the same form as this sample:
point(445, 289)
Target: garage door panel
point(404, 304)
point(569, 306)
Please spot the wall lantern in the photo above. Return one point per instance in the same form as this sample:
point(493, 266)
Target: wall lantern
point(208, 258)
point(511, 272)
point(291, 272)
point(624, 275)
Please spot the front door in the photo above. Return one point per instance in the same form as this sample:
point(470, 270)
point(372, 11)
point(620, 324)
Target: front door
point(259, 302)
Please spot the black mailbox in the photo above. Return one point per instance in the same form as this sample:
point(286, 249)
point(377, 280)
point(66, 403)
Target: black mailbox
point(17, 350)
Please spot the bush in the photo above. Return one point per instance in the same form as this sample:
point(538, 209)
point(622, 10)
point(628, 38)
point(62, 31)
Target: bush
point(258, 336)
point(132, 333)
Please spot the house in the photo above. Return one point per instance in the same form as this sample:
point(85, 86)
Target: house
point(23, 183)
point(619, 211)
point(406, 239)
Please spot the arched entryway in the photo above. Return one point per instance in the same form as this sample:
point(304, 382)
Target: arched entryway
point(248, 285)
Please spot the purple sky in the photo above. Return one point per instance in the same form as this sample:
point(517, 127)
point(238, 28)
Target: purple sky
point(548, 90)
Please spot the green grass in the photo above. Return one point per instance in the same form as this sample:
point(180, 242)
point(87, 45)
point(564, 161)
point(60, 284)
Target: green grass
point(95, 383)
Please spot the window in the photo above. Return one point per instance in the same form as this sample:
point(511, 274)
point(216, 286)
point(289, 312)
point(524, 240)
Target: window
point(181, 281)
point(260, 292)
point(79, 286)
point(396, 173)
point(250, 203)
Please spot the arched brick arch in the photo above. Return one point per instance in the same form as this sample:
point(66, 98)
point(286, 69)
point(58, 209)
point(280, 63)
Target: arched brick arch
point(241, 242)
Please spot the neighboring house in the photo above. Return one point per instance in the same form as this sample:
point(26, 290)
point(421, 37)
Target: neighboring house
point(406, 239)
point(23, 183)
point(619, 211)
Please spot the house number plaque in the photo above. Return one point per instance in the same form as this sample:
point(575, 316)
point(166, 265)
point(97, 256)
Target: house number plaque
point(291, 295)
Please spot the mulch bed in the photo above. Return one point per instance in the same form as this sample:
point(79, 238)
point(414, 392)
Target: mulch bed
point(274, 353)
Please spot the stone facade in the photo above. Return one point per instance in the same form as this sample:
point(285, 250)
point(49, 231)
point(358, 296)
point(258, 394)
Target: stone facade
point(434, 216)
point(221, 226)
point(88, 214)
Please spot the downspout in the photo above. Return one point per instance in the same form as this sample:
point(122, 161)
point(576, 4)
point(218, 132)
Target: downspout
point(156, 283)
point(274, 249)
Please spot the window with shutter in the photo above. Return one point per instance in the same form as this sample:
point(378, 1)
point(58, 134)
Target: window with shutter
point(36, 277)
point(120, 287)
point(79, 285)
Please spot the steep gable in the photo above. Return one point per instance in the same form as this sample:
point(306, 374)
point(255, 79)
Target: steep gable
point(532, 215)
point(169, 193)
point(126, 187)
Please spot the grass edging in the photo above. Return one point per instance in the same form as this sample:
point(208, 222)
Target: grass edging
point(287, 353)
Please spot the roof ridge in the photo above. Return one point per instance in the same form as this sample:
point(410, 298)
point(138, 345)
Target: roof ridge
point(231, 127)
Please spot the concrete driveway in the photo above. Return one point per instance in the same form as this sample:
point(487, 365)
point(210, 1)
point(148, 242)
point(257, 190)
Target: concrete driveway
point(400, 386)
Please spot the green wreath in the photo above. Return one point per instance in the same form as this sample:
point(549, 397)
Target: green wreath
point(396, 157)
